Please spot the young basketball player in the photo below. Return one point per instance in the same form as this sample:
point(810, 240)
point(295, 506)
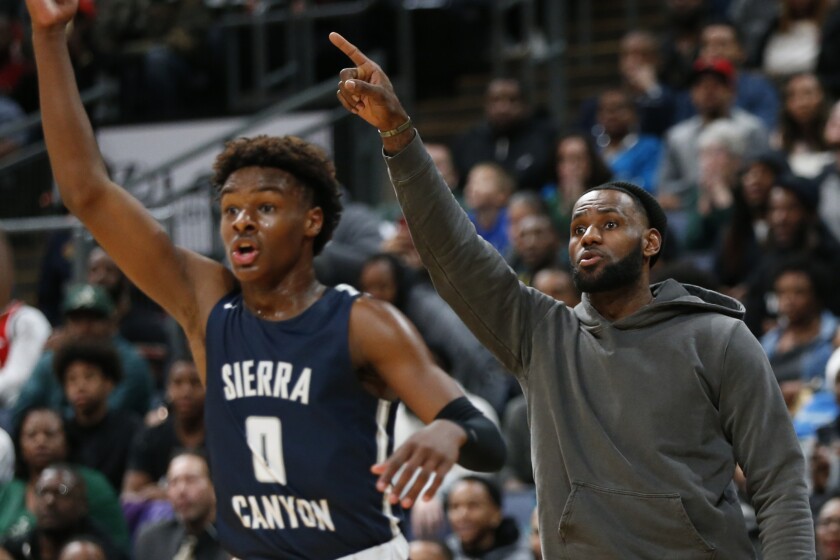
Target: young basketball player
point(299, 377)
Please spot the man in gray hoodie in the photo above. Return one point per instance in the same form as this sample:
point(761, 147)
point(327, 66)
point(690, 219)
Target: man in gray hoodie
point(641, 400)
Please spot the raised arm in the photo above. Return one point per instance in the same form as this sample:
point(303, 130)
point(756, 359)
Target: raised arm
point(384, 341)
point(123, 227)
point(467, 272)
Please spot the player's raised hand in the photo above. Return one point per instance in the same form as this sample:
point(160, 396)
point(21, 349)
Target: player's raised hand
point(432, 450)
point(366, 90)
point(51, 15)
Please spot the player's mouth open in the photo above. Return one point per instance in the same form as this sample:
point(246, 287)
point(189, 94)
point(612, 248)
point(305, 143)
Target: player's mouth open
point(244, 254)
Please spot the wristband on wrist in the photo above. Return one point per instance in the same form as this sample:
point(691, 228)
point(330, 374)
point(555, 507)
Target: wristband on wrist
point(394, 131)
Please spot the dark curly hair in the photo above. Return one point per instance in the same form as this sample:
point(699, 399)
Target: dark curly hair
point(101, 354)
point(306, 162)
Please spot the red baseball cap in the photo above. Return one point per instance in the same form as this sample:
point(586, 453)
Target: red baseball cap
point(716, 66)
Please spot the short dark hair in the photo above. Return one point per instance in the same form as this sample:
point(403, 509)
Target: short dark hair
point(91, 351)
point(307, 162)
point(818, 275)
point(402, 278)
point(645, 202)
point(492, 488)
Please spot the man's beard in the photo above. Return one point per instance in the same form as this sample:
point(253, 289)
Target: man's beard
point(613, 276)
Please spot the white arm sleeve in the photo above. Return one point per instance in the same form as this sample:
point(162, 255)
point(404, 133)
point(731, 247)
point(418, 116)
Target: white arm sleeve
point(28, 332)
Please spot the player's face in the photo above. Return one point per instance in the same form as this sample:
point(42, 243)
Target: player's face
point(606, 243)
point(268, 223)
point(86, 386)
point(472, 513)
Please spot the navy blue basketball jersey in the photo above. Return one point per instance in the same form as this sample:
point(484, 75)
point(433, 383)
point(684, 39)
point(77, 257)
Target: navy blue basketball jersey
point(292, 434)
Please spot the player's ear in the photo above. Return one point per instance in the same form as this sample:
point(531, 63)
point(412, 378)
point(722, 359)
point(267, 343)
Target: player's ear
point(314, 221)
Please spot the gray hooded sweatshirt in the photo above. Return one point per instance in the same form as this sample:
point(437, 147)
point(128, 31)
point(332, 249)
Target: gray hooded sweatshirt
point(637, 424)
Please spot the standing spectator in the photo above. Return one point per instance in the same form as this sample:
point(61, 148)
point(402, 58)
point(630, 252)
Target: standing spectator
point(801, 133)
point(511, 135)
point(479, 528)
point(632, 155)
point(23, 332)
point(88, 312)
point(191, 533)
point(793, 41)
point(99, 438)
point(61, 514)
point(829, 208)
point(486, 195)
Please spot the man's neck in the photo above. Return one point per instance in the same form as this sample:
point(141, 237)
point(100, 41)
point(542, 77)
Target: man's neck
point(621, 303)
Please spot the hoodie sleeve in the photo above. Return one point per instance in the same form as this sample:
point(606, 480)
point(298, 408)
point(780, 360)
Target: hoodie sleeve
point(757, 423)
point(467, 272)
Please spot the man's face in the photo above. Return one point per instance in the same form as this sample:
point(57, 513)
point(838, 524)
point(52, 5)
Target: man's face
point(787, 217)
point(189, 489)
point(616, 114)
point(103, 271)
point(712, 96)
point(442, 158)
point(538, 241)
point(472, 514)
point(720, 41)
point(60, 501)
point(87, 387)
point(88, 324)
point(185, 390)
point(828, 530)
point(42, 439)
point(756, 184)
point(797, 300)
point(267, 220)
point(606, 244)
point(636, 50)
point(557, 284)
point(503, 105)
point(484, 190)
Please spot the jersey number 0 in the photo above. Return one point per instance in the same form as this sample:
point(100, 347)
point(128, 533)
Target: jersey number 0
point(265, 439)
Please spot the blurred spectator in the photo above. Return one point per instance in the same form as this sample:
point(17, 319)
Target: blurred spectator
point(825, 457)
point(712, 93)
point(17, 71)
point(632, 155)
point(88, 313)
point(801, 130)
point(99, 438)
point(442, 158)
point(578, 167)
point(794, 228)
point(681, 43)
point(638, 67)
point(82, 548)
point(721, 146)
point(41, 441)
point(754, 93)
point(799, 347)
point(143, 325)
point(521, 205)
point(479, 529)
point(486, 196)
point(61, 514)
point(182, 429)
point(518, 472)
point(55, 272)
point(23, 332)
point(747, 229)
point(752, 19)
point(557, 283)
point(828, 64)
point(537, 246)
point(464, 358)
point(7, 457)
point(10, 112)
point(191, 533)
point(791, 44)
point(829, 208)
point(828, 530)
point(428, 550)
point(509, 135)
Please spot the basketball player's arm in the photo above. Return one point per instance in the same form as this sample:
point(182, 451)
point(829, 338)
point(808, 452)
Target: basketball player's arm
point(384, 340)
point(124, 228)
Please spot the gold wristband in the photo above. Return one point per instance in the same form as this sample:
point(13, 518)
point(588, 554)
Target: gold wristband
point(394, 131)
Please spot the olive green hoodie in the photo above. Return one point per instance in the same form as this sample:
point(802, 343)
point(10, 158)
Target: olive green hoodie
point(637, 424)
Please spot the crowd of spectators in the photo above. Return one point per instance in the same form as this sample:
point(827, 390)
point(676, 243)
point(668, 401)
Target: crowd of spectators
point(731, 119)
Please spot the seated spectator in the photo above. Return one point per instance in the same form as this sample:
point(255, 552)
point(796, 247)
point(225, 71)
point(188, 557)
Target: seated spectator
point(631, 155)
point(182, 429)
point(799, 347)
point(801, 130)
point(828, 530)
point(557, 283)
point(61, 514)
point(7, 457)
point(792, 43)
point(41, 442)
point(470, 363)
point(486, 197)
point(754, 93)
point(712, 94)
point(521, 205)
point(579, 167)
point(538, 245)
point(652, 100)
point(442, 158)
point(829, 208)
point(479, 529)
point(23, 332)
point(191, 533)
point(510, 135)
point(99, 438)
point(82, 548)
point(428, 550)
point(89, 312)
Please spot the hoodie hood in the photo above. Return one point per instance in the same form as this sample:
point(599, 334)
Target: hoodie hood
point(670, 298)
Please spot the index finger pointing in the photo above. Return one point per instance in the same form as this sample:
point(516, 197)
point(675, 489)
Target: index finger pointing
point(348, 48)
